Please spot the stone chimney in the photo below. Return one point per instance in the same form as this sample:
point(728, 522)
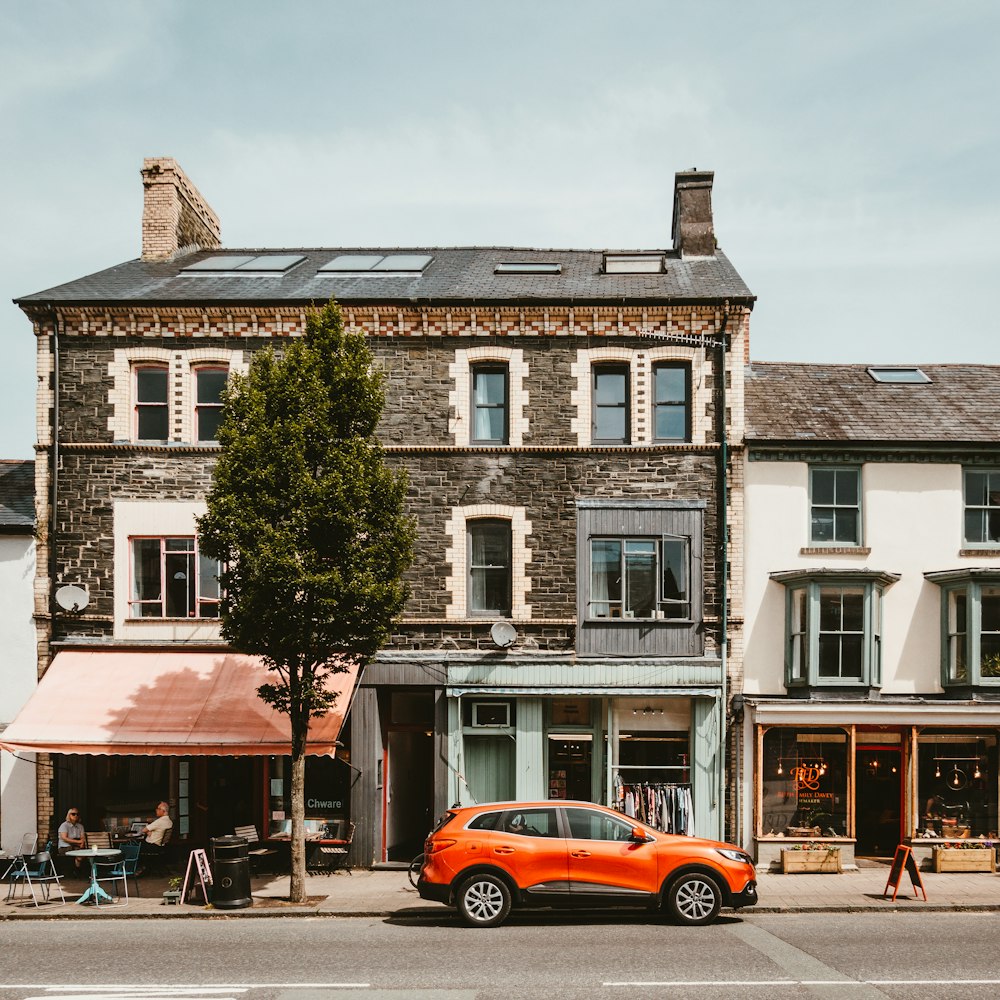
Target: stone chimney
point(174, 214)
point(692, 228)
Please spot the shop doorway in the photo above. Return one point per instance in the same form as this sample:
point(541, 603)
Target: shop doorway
point(409, 793)
point(571, 766)
point(878, 800)
point(229, 801)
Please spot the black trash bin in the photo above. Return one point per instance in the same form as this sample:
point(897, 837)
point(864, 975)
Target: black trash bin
point(230, 873)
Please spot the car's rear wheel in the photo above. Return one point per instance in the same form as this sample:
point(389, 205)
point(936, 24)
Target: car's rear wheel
point(484, 900)
point(694, 899)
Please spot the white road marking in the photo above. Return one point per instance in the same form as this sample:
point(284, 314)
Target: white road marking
point(808, 982)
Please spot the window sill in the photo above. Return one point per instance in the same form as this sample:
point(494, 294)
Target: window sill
point(640, 621)
point(992, 552)
point(836, 550)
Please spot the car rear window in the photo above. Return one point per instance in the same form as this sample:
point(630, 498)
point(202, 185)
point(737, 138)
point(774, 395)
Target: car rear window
point(484, 821)
point(531, 823)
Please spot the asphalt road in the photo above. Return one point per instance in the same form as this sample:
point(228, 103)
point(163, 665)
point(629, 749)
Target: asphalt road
point(833, 956)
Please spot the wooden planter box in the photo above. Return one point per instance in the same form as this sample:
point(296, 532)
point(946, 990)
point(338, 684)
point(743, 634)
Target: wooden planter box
point(959, 859)
point(823, 862)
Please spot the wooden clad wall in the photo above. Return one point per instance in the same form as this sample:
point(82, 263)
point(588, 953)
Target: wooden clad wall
point(644, 637)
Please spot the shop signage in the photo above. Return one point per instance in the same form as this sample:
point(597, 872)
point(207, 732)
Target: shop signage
point(807, 776)
point(324, 804)
point(904, 858)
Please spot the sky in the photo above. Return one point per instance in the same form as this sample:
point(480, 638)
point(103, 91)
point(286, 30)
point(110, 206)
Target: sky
point(856, 146)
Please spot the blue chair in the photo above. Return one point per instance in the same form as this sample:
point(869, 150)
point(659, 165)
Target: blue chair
point(125, 868)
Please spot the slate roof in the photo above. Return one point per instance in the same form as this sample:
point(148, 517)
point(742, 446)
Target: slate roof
point(815, 403)
point(455, 274)
point(17, 496)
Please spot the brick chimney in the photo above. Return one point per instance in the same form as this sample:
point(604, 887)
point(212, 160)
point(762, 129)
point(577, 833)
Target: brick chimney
point(174, 214)
point(692, 228)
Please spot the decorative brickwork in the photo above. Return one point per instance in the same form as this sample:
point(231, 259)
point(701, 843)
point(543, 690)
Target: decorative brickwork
point(174, 214)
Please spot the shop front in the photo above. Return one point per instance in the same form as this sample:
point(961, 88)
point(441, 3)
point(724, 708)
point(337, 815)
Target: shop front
point(881, 776)
point(651, 754)
point(125, 730)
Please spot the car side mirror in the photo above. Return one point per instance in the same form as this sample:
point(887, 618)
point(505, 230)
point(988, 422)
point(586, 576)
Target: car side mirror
point(638, 836)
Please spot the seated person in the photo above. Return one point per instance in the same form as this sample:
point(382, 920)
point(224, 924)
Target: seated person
point(71, 834)
point(156, 830)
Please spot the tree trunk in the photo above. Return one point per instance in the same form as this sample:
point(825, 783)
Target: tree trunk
point(297, 882)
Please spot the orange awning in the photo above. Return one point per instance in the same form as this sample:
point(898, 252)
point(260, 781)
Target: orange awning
point(175, 703)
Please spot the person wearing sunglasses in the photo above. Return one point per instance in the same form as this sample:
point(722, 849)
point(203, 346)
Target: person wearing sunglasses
point(71, 834)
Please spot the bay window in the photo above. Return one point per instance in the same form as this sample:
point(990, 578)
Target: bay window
point(970, 627)
point(833, 627)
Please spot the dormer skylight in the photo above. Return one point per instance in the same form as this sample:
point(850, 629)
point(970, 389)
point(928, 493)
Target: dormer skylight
point(399, 263)
point(243, 265)
point(643, 262)
point(528, 267)
point(898, 375)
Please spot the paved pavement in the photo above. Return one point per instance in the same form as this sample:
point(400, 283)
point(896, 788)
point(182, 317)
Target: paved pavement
point(388, 893)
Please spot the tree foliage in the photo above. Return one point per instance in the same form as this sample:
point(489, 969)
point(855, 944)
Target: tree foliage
point(306, 518)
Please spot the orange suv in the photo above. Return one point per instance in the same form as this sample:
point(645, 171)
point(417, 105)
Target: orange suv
point(487, 859)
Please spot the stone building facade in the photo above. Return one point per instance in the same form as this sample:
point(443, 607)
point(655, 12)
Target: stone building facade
point(575, 488)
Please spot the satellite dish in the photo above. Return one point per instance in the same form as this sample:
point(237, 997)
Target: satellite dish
point(503, 634)
point(72, 598)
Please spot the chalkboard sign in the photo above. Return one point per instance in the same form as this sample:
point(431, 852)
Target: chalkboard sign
point(904, 859)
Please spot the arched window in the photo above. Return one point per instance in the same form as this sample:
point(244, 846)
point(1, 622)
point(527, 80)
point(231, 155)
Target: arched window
point(209, 383)
point(610, 417)
point(489, 562)
point(489, 404)
point(152, 416)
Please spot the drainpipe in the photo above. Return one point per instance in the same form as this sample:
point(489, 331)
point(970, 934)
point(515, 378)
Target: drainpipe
point(54, 484)
point(723, 573)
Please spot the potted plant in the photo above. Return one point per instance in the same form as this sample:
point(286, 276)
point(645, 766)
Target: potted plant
point(965, 856)
point(811, 857)
point(172, 894)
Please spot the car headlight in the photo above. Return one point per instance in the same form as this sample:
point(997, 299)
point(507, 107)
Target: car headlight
point(735, 855)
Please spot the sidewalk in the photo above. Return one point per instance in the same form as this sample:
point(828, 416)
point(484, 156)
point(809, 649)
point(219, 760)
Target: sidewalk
point(388, 893)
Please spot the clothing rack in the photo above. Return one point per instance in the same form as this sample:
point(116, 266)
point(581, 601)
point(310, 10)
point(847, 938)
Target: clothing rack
point(663, 805)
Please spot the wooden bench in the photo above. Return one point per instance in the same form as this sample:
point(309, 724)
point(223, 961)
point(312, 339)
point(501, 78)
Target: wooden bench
point(258, 855)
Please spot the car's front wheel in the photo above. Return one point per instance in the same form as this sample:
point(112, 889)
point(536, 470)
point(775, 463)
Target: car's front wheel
point(694, 899)
point(484, 900)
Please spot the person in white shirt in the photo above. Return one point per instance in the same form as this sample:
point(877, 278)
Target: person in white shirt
point(156, 830)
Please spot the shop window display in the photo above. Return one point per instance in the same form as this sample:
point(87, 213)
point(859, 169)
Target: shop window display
point(957, 784)
point(804, 783)
point(326, 797)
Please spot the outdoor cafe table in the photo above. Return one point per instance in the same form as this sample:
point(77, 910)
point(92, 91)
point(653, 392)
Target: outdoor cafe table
point(94, 891)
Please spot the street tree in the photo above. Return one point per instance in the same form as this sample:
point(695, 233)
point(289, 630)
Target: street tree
point(308, 523)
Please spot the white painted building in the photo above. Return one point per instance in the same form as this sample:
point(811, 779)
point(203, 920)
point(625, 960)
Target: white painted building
point(872, 603)
point(19, 662)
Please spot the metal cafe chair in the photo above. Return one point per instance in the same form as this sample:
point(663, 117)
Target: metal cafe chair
point(28, 845)
point(125, 868)
point(38, 871)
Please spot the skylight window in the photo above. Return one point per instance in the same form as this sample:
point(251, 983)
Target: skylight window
point(274, 263)
point(409, 263)
point(633, 263)
point(528, 267)
point(899, 376)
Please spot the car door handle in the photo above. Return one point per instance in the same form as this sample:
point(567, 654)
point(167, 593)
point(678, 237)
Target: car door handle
point(579, 854)
point(503, 850)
